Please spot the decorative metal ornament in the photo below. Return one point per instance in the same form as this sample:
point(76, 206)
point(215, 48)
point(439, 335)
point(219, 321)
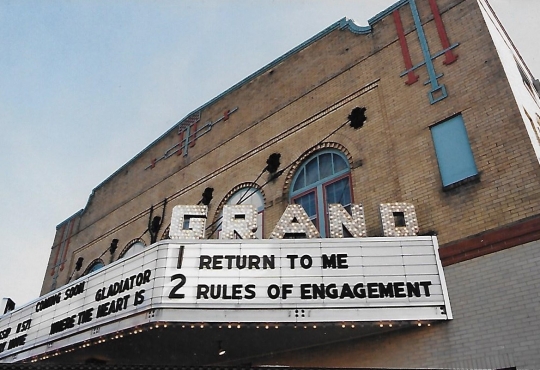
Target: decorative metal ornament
point(391, 211)
point(437, 91)
point(357, 117)
point(295, 221)
point(340, 219)
point(155, 223)
point(189, 130)
point(239, 220)
point(194, 217)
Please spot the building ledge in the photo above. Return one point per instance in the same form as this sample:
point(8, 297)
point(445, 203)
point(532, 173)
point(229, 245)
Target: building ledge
point(491, 241)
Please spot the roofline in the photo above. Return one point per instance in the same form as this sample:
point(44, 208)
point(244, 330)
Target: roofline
point(501, 26)
point(387, 11)
point(343, 24)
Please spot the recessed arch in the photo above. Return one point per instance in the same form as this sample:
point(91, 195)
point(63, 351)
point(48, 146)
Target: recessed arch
point(309, 152)
point(323, 177)
point(134, 246)
point(94, 266)
point(247, 193)
point(165, 234)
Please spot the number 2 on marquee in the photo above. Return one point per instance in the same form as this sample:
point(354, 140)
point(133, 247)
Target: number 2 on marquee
point(174, 292)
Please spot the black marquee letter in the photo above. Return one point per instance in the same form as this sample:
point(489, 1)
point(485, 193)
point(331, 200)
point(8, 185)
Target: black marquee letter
point(173, 294)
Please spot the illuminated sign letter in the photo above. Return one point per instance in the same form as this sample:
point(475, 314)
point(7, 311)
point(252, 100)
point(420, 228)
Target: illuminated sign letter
point(188, 222)
point(398, 219)
point(341, 220)
point(295, 221)
point(240, 220)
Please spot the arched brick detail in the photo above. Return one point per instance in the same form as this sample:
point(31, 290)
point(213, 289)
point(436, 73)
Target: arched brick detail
point(306, 154)
point(92, 264)
point(165, 234)
point(128, 245)
point(210, 228)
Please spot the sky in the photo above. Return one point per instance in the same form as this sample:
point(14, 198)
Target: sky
point(85, 85)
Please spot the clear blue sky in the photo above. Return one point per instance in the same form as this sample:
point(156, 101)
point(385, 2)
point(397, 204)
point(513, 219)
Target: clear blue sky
point(87, 84)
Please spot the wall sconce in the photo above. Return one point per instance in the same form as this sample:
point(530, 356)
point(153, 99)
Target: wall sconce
point(273, 162)
point(78, 264)
point(206, 196)
point(357, 117)
point(113, 246)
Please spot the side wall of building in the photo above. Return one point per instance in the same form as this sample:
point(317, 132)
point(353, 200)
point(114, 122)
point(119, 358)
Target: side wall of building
point(522, 83)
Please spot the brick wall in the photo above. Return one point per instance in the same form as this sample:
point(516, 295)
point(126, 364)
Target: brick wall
point(392, 156)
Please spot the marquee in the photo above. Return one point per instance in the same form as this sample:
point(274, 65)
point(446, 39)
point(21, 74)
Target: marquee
point(238, 281)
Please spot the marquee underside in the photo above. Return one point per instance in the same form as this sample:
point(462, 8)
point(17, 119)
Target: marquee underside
point(192, 344)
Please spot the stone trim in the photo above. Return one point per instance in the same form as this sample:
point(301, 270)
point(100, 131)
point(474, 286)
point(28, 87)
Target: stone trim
point(491, 241)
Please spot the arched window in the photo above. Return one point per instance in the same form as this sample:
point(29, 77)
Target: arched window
point(133, 247)
point(324, 178)
point(249, 195)
point(94, 266)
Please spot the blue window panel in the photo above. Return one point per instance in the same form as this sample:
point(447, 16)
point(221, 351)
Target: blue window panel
point(454, 154)
point(312, 172)
point(309, 203)
point(300, 181)
point(325, 163)
point(339, 164)
point(339, 192)
point(96, 266)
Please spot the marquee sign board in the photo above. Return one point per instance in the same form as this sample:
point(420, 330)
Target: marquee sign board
point(260, 281)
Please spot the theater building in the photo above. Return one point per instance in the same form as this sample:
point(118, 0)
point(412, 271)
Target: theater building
point(217, 244)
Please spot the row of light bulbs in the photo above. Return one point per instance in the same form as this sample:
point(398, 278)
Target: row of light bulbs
point(138, 330)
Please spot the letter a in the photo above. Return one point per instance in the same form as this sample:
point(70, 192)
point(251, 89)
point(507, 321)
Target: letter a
point(295, 221)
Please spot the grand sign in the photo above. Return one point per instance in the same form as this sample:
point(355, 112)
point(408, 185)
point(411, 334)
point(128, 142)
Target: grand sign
point(240, 221)
point(238, 281)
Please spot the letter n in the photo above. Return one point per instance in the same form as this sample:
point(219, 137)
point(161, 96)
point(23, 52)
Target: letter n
point(341, 221)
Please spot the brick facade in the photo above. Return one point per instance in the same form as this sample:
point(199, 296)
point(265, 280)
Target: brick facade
point(300, 104)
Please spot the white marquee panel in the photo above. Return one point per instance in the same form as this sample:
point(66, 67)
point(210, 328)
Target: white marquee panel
point(374, 279)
